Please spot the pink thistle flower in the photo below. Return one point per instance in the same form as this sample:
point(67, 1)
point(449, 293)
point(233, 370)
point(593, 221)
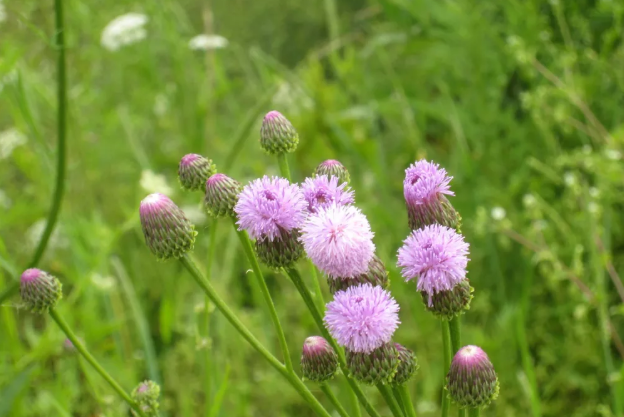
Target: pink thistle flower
point(437, 256)
point(362, 318)
point(323, 191)
point(338, 240)
point(268, 207)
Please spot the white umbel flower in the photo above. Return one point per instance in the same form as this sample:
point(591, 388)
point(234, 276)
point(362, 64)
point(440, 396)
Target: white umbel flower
point(206, 42)
point(124, 30)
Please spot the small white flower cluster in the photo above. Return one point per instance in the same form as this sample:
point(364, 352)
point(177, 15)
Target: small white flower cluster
point(207, 42)
point(9, 140)
point(124, 30)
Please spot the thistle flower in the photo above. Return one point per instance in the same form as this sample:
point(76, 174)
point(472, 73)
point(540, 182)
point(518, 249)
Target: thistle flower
point(194, 170)
point(362, 318)
point(408, 365)
point(269, 207)
point(425, 188)
point(376, 367)
point(472, 381)
point(338, 240)
point(323, 191)
point(333, 168)
point(146, 396)
point(375, 275)
point(277, 134)
point(437, 256)
point(318, 359)
point(39, 290)
point(448, 304)
point(168, 233)
point(221, 195)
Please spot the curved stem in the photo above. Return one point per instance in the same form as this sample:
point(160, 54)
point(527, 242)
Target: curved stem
point(446, 346)
point(355, 405)
point(454, 326)
point(251, 256)
point(332, 398)
point(387, 394)
point(316, 279)
point(397, 397)
point(307, 299)
point(85, 353)
point(410, 411)
point(250, 338)
point(283, 166)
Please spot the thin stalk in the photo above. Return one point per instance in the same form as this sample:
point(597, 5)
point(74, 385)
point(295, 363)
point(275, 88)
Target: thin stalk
point(283, 166)
point(410, 411)
point(85, 353)
point(446, 345)
point(255, 266)
point(397, 397)
point(387, 394)
point(307, 299)
point(454, 325)
point(61, 151)
point(316, 279)
point(355, 405)
point(474, 412)
point(212, 245)
point(332, 398)
point(251, 339)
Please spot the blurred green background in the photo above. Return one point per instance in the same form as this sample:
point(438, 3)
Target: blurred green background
point(520, 100)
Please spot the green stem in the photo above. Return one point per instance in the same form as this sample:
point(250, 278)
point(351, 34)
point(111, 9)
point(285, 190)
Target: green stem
point(397, 397)
point(474, 412)
point(250, 338)
point(446, 346)
point(307, 299)
point(212, 245)
point(410, 411)
point(332, 398)
point(454, 326)
point(355, 405)
point(387, 394)
point(316, 279)
point(85, 353)
point(255, 266)
point(61, 129)
point(283, 166)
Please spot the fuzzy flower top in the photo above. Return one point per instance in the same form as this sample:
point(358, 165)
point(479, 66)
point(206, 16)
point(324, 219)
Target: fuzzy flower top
point(323, 191)
point(269, 206)
point(437, 256)
point(362, 318)
point(424, 181)
point(338, 240)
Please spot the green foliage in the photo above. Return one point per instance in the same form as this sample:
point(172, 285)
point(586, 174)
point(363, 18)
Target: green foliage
point(521, 101)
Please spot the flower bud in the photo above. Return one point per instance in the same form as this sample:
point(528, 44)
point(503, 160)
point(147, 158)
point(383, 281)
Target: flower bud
point(145, 395)
point(221, 195)
point(318, 359)
point(282, 251)
point(194, 170)
point(331, 167)
point(378, 366)
point(448, 304)
point(277, 134)
point(472, 381)
point(40, 291)
point(435, 212)
point(376, 275)
point(408, 365)
point(168, 233)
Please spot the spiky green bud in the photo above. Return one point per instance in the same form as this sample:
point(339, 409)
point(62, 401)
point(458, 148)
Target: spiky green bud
point(194, 170)
point(283, 251)
point(408, 365)
point(277, 134)
point(378, 366)
point(145, 395)
point(318, 359)
point(376, 275)
point(435, 211)
point(40, 291)
point(331, 167)
point(471, 380)
point(168, 233)
point(448, 304)
point(221, 195)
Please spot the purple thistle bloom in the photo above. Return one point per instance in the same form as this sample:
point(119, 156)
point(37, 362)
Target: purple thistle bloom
point(267, 207)
point(322, 191)
point(339, 241)
point(362, 318)
point(437, 256)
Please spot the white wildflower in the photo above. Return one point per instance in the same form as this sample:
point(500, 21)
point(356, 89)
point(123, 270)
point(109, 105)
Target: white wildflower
point(9, 140)
point(124, 30)
point(155, 183)
point(498, 213)
point(206, 42)
point(529, 200)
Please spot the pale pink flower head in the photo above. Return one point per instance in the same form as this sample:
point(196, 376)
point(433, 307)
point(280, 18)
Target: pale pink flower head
point(362, 318)
point(323, 191)
point(268, 207)
point(338, 240)
point(437, 256)
point(424, 182)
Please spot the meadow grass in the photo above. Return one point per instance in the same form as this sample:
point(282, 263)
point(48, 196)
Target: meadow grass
point(521, 101)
